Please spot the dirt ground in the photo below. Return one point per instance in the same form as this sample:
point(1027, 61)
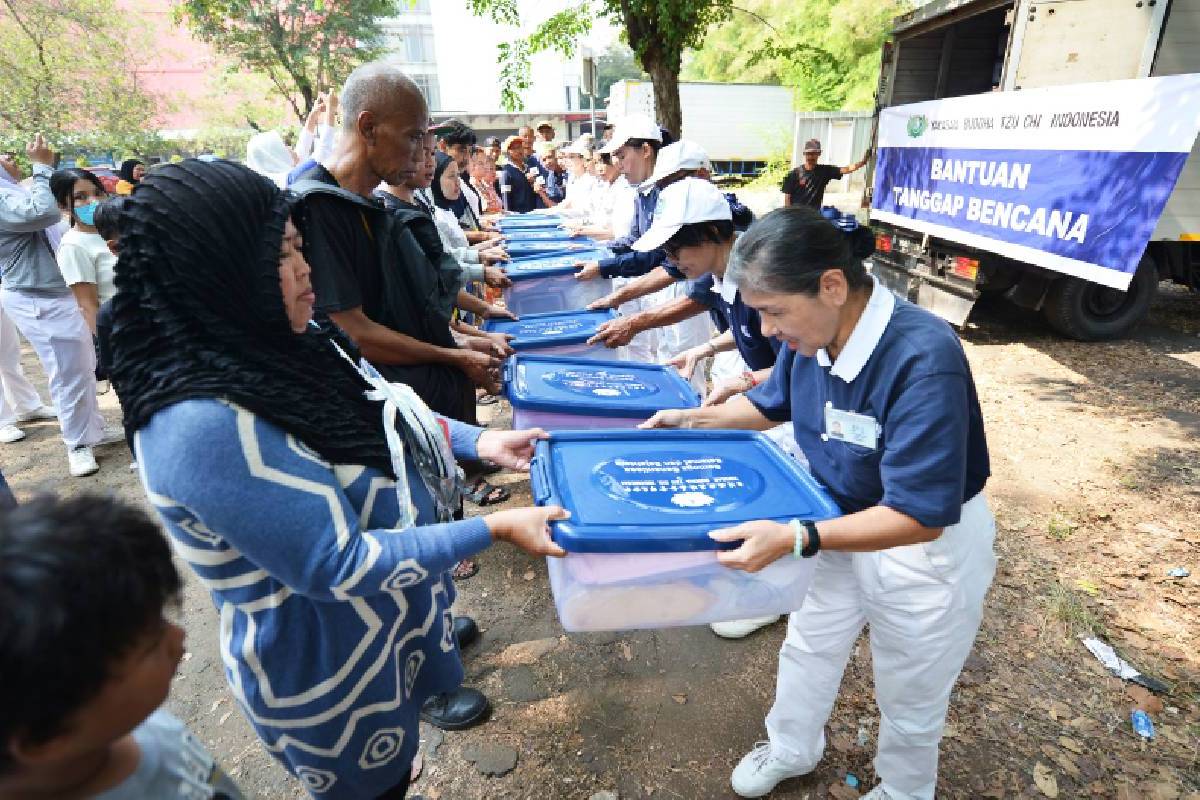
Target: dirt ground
point(1096, 487)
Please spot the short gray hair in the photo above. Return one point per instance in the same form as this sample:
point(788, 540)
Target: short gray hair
point(375, 86)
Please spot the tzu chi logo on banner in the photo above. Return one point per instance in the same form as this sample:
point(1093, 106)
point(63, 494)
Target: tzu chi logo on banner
point(1072, 178)
point(917, 124)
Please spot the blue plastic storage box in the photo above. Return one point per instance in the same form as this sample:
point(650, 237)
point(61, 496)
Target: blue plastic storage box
point(562, 392)
point(642, 504)
point(542, 235)
point(562, 333)
point(543, 285)
point(510, 222)
point(560, 246)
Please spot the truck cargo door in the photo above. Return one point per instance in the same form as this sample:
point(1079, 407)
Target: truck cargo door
point(1056, 42)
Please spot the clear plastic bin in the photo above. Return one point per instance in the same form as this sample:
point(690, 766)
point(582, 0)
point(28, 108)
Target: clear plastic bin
point(546, 293)
point(642, 505)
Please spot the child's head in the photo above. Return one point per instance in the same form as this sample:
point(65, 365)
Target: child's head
point(108, 225)
point(85, 651)
point(77, 193)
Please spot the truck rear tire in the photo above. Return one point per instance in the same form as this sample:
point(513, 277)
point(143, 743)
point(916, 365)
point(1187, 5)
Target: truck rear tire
point(1090, 312)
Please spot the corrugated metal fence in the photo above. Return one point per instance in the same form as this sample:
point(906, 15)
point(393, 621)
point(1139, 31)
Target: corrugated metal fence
point(844, 137)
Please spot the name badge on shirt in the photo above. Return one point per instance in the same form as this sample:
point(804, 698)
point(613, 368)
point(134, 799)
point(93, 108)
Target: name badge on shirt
point(849, 427)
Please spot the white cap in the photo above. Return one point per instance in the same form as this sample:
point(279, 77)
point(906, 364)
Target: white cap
point(682, 203)
point(580, 147)
point(684, 154)
point(636, 126)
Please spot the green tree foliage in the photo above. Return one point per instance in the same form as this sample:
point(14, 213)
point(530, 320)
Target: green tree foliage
point(69, 71)
point(658, 31)
point(828, 50)
point(615, 64)
point(303, 46)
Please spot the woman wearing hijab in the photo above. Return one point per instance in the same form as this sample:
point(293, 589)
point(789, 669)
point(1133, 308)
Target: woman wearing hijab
point(132, 171)
point(312, 498)
point(445, 189)
point(268, 155)
point(37, 300)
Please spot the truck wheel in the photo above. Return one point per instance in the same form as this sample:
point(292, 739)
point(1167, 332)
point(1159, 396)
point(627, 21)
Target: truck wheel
point(1090, 312)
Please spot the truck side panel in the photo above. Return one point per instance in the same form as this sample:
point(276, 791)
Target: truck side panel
point(1179, 53)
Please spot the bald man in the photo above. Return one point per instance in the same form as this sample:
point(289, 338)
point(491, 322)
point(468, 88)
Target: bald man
point(385, 135)
point(349, 240)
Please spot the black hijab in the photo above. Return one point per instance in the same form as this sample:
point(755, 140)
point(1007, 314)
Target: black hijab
point(442, 161)
point(460, 207)
point(126, 171)
point(199, 314)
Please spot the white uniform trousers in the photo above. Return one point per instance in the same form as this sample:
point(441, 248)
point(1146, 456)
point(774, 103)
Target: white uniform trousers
point(60, 337)
point(923, 603)
point(643, 348)
point(17, 394)
point(674, 339)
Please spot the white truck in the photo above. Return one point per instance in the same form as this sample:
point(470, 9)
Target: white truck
point(953, 48)
point(740, 125)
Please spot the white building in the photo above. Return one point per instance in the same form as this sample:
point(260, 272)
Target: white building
point(452, 54)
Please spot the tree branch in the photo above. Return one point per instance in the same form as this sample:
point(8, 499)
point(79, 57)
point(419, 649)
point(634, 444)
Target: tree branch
point(761, 19)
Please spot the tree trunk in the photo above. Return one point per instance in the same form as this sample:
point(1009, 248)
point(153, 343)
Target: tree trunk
point(666, 95)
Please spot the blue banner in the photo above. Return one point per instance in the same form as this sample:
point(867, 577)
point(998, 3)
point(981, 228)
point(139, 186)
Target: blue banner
point(1092, 206)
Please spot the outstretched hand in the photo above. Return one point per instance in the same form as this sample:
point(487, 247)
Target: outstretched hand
point(510, 449)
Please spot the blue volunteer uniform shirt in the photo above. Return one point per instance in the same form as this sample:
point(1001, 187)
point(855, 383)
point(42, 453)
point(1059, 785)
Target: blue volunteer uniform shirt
point(905, 368)
point(556, 185)
point(521, 197)
point(758, 351)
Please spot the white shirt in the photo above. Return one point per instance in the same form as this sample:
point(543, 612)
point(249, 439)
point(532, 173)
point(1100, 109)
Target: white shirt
point(865, 336)
point(85, 258)
point(579, 192)
point(623, 209)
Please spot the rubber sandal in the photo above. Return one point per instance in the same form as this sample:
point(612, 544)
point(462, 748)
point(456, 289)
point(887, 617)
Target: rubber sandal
point(464, 569)
point(483, 493)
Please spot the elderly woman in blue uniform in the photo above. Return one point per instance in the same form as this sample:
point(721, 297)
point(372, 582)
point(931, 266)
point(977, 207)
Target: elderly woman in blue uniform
point(882, 403)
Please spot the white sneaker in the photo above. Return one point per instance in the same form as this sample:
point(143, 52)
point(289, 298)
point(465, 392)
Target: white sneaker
point(760, 771)
point(44, 412)
point(878, 793)
point(111, 435)
point(81, 461)
point(10, 434)
point(737, 628)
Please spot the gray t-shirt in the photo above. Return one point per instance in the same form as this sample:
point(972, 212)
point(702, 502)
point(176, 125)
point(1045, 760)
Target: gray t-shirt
point(174, 766)
point(27, 261)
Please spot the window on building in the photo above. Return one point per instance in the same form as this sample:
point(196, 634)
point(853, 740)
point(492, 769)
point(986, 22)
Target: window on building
point(414, 44)
point(428, 84)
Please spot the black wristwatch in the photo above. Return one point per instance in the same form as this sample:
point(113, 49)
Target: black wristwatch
point(812, 542)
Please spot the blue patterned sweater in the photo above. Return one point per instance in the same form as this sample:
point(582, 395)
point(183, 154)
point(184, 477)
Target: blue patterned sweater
point(335, 625)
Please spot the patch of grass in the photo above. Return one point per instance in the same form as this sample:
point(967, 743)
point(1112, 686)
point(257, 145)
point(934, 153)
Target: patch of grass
point(1130, 481)
point(1060, 529)
point(1066, 607)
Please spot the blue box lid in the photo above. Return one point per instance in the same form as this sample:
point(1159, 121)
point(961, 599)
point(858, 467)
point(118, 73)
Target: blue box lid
point(594, 388)
point(542, 235)
point(548, 266)
point(550, 330)
point(662, 491)
point(554, 248)
point(512, 221)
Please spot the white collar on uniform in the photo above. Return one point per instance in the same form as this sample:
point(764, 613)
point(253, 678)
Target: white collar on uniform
point(727, 289)
point(865, 336)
